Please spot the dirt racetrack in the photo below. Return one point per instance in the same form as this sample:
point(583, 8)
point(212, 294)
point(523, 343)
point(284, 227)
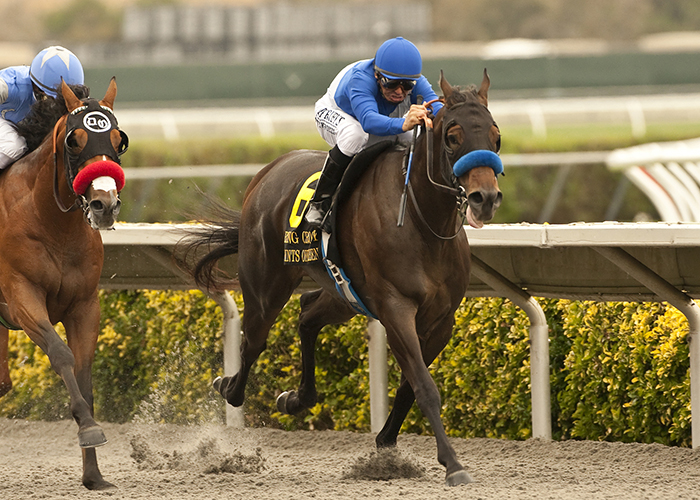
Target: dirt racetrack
point(41, 460)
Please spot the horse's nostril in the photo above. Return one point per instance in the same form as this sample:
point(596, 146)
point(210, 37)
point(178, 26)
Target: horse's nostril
point(476, 198)
point(97, 206)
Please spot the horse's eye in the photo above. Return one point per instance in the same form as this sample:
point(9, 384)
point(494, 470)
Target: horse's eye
point(453, 140)
point(72, 141)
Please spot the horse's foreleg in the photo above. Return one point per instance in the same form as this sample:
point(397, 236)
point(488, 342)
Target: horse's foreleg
point(318, 309)
point(82, 331)
point(62, 361)
point(403, 339)
point(405, 398)
point(5, 380)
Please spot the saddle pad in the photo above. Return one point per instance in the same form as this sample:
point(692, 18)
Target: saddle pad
point(305, 245)
point(302, 244)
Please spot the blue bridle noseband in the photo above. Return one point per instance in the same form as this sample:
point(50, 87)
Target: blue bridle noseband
point(478, 158)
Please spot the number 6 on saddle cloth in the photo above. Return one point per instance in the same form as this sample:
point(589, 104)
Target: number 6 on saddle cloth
point(305, 245)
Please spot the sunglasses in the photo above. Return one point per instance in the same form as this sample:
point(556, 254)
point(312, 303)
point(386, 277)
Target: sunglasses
point(406, 85)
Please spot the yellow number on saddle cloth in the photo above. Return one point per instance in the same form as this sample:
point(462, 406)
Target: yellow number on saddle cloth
point(302, 200)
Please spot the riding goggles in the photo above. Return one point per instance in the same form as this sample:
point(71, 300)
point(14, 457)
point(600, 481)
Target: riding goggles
point(389, 84)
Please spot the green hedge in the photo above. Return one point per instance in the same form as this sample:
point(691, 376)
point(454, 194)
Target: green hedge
point(619, 371)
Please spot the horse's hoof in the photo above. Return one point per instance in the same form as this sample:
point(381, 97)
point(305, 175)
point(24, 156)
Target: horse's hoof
point(282, 402)
point(457, 478)
point(100, 485)
point(92, 437)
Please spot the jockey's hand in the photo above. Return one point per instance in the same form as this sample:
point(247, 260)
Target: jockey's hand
point(416, 115)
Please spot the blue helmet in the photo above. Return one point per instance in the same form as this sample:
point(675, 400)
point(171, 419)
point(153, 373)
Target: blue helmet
point(52, 64)
point(398, 59)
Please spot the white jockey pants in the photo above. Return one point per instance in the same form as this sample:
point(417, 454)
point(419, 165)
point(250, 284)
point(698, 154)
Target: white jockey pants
point(340, 129)
point(12, 145)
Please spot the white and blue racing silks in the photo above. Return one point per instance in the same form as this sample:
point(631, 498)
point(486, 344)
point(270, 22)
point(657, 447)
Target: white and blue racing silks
point(16, 96)
point(356, 91)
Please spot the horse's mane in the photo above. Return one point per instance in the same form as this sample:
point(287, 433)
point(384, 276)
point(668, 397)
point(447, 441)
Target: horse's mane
point(460, 95)
point(44, 115)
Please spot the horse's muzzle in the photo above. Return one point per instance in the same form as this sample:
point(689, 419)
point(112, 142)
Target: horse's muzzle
point(483, 204)
point(102, 209)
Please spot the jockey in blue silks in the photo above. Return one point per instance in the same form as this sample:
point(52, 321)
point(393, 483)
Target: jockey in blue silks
point(22, 86)
point(369, 99)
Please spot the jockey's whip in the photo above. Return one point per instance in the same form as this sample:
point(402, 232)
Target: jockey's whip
point(402, 205)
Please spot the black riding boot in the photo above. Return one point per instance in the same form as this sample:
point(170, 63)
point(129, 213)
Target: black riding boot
point(332, 173)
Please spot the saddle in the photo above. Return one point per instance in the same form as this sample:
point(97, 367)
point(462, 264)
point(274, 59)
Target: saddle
point(304, 244)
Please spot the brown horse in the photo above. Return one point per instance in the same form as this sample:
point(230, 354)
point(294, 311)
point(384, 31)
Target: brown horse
point(412, 278)
point(51, 259)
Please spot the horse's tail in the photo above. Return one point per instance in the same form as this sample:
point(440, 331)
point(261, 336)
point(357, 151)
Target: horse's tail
point(203, 246)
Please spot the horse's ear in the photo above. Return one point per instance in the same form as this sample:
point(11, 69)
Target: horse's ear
point(445, 86)
point(484, 89)
point(72, 102)
point(111, 94)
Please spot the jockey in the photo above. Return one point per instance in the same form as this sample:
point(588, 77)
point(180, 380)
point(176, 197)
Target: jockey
point(22, 86)
point(369, 99)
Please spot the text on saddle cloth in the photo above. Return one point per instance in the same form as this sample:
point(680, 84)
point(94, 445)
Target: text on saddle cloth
point(302, 242)
point(305, 245)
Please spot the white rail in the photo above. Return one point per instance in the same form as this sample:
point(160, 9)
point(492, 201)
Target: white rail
point(636, 112)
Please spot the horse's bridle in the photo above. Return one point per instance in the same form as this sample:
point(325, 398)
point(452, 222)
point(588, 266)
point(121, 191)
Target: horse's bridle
point(97, 121)
point(452, 186)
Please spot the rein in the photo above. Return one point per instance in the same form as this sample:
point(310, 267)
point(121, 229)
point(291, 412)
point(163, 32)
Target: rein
point(458, 193)
point(77, 203)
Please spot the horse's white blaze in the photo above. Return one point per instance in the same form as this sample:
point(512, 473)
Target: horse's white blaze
point(104, 183)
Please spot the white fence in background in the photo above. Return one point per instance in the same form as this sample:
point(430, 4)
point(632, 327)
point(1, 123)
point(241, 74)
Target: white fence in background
point(610, 261)
point(635, 112)
point(668, 173)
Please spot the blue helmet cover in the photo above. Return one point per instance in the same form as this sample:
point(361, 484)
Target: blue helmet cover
point(398, 59)
point(52, 64)
point(478, 158)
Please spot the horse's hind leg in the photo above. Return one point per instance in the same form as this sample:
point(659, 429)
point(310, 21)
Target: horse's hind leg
point(403, 401)
point(263, 304)
point(318, 309)
point(5, 380)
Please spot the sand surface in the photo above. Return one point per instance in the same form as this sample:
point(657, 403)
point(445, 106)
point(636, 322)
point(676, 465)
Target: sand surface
point(41, 460)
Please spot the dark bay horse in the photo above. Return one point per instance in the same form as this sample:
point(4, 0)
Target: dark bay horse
point(51, 252)
point(412, 278)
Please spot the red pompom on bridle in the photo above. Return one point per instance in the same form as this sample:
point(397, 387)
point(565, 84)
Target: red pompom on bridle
point(101, 168)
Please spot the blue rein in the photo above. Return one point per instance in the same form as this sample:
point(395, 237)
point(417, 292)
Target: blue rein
point(478, 158)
